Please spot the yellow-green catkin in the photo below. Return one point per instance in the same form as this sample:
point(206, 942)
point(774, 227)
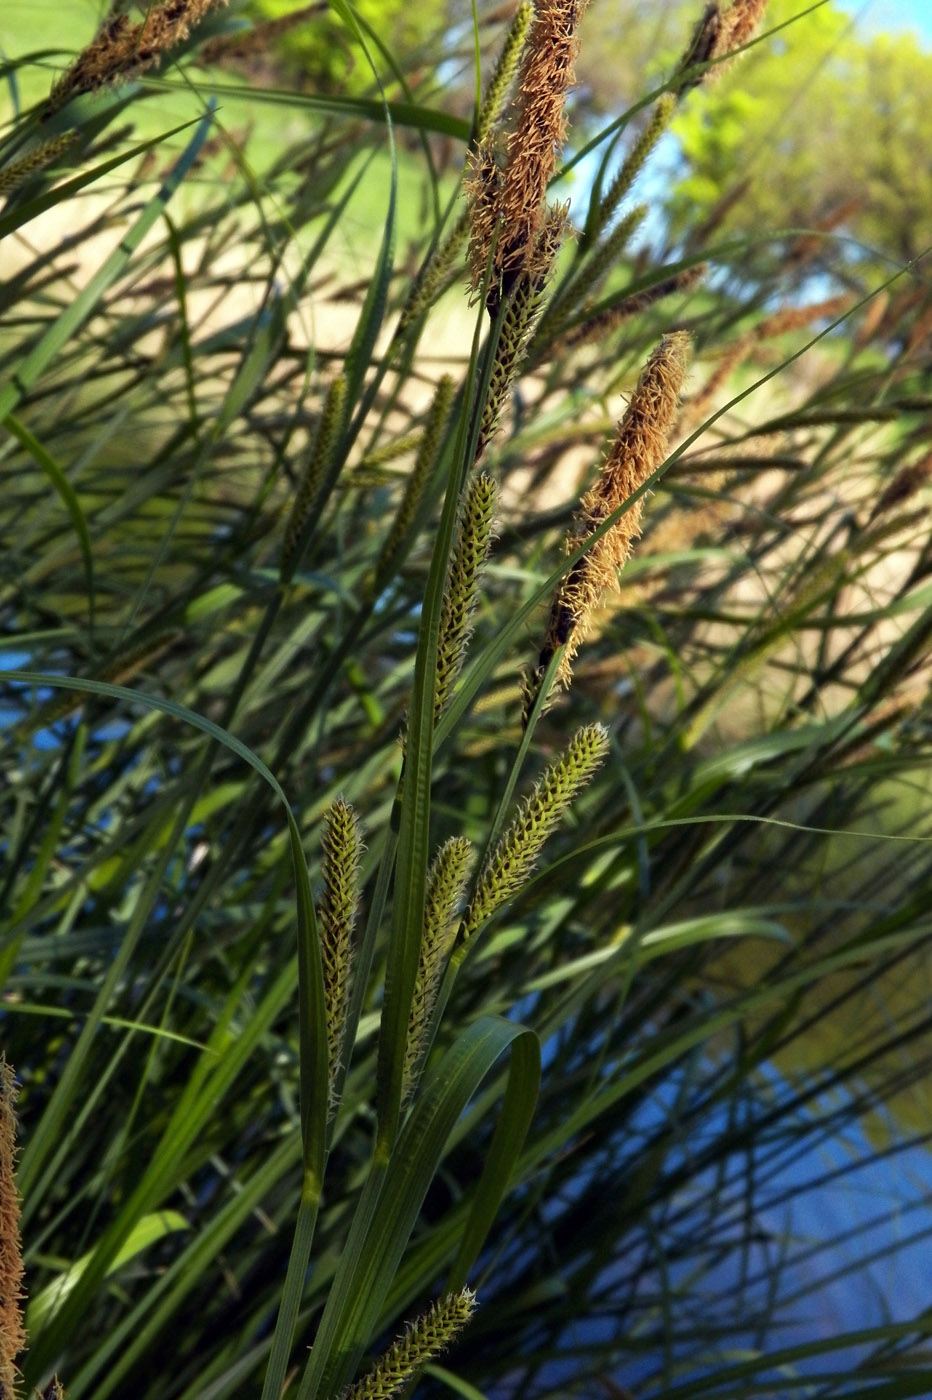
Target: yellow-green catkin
point(424, 462)
point(53, 1390)
point(423, 1339)
point(504, 72)
point(388, 452)
point(513, 859)
point(467, 559)
point(12, 1335)
point(14, 174)
point(336, 915)
point(318, 460)
point(520, 312)
point(507, 198)
point(122, 50)
point(634, 162)
point(639, 448)
point(446, 886)
point(434, 276)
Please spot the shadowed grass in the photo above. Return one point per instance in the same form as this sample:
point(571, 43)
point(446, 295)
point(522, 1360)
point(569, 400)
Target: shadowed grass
point(234, 494)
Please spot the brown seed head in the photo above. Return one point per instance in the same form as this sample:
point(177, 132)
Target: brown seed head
point(123, 50)
point(639, 448)
point(508, 184)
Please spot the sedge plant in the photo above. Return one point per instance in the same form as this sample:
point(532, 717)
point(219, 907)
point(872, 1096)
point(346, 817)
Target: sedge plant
point(464, 811)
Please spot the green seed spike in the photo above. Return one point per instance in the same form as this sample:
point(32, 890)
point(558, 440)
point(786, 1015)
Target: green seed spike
point(587, 276)
point(342, 845)
point(13, 175)
point(432, 278)
point(632, 165)
point(520, 312)
point(470, 550)
point(511, 863)
point(446, 886)
point(423, 1339)
point(319, 459)
point(503, 75)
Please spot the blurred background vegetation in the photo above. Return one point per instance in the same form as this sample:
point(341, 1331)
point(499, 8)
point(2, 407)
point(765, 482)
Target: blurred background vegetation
point(724, 953)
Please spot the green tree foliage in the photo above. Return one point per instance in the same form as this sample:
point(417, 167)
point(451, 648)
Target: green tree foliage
point(329, 55)
point(820, 129)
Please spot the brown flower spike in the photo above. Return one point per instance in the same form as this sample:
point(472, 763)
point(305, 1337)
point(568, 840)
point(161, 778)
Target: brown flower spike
point(639, 448)
point(122, 50)
point(717, 35)
point(508, 202)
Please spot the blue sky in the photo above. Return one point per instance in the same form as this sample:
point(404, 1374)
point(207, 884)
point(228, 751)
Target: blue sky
point(893, 15)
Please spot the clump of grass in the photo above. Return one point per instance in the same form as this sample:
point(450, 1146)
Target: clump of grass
point(249, 527)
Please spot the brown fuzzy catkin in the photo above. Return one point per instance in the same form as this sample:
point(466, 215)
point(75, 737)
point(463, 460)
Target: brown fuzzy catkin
point(12, 1335)
point(639, 448)
point(123, 50)
point(508, 203)
point(520, 313)
point(739, 25)
point(252, 41)
point(717, 35)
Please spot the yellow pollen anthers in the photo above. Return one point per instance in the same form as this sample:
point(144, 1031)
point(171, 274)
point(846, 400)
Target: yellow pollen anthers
point(638, 450)
point(424, 1339)
point(511, 863)
point(508, 198)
